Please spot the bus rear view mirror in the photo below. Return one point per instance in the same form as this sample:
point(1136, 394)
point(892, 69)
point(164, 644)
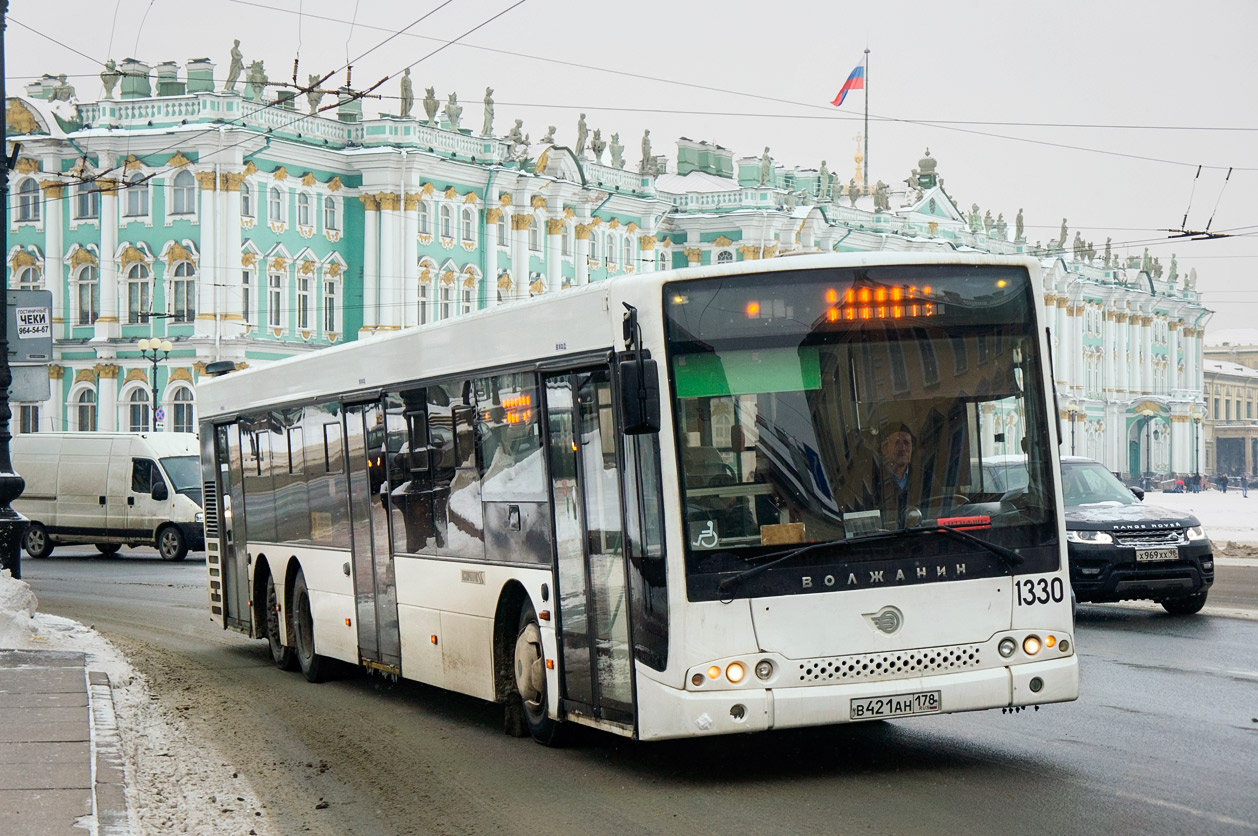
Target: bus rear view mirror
point(640, 396)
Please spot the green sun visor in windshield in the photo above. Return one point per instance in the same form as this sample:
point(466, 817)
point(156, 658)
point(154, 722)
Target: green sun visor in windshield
point(747, 372)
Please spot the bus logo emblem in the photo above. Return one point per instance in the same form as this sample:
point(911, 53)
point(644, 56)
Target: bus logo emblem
point(887, 619)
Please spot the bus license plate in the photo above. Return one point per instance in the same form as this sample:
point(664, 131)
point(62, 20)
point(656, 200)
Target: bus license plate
point(899, 705)
point(1150, 555)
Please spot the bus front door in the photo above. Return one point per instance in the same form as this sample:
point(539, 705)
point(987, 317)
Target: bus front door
point(375, 590)
point(594, 641)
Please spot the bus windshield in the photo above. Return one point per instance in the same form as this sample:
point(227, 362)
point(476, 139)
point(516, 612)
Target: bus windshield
point(824, 406)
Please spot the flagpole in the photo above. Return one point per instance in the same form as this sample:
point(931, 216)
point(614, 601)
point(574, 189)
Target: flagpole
point(866, 117)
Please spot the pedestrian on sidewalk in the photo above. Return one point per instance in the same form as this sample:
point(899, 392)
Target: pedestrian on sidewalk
point(1244, 486)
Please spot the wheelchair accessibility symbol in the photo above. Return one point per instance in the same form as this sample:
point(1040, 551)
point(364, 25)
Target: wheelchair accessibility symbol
point(703, 535)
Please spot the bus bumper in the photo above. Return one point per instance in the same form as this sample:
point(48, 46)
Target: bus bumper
point(665, 712)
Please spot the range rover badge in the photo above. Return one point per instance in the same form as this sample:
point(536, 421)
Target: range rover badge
point(887, 619)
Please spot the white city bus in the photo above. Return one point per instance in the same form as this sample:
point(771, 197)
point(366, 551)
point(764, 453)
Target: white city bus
point(658, 504)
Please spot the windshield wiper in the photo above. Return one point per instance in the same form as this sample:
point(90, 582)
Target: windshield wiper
point(1009, 557)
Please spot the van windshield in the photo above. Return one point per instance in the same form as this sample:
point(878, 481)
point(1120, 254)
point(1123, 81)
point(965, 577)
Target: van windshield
point(184, 472)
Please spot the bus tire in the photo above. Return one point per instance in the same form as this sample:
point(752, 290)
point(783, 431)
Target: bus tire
point(313, 666)
point(530, 679)
point(284, 657)
point(36, 540)
point(108, 548)
point(171, 544)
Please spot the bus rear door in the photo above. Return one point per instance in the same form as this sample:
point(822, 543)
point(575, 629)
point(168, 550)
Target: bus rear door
point(594, 645)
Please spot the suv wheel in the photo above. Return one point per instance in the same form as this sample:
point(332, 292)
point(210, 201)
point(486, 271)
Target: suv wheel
point(1185, 606)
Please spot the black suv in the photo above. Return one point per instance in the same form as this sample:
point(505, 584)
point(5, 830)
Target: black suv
point(1122, 549)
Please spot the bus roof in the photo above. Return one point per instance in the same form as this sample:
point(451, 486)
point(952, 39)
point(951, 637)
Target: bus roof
point(572, 321)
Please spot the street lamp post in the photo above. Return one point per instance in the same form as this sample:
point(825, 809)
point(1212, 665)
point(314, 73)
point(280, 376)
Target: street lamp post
point(1073, 409)
point(149, 351)
point(12, 524)
point(1196, 443)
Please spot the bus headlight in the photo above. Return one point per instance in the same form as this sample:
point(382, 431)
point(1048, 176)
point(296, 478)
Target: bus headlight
point(1006, 647)
point(764, 669)
point(1031, 645)
point(735, 672)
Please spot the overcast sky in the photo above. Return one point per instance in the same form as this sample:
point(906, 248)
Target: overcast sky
point(1128, 98)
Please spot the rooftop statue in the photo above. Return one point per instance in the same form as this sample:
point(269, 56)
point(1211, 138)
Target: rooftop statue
point(109, 77)
point(549, 139)
point(1061, 241)
point(853, 190)
point(1173, 275)
point(256, 81)
point(516, 135)
point(618, 152)
point(648, 164)
point(823, 182)
point(1190, 283)
point(408, 94)
point(1018, 237)
point(487, 128)
point(1002, 227)
point(988, 222)
point(453, 111)
point(1109, 252)
point(598, 145)
point(430, 106)
point(313, 95)
point(64, 91)
point(582, 133)
point(233, 70)
point(766, 167)
point(882, 197)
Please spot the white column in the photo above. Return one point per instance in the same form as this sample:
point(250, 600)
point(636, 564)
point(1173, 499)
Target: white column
point(1121, 364)
point(371, 262)
point(1078, 369)
point(581, 258)
point(489, 252)
point(646, 246)
point(1133, 353)
point(1109, 338)
point(389, 301)
point(521, 222)
point(228, 303)
point(55, 280)
point(410, 259)
point(1172, 350)
point(554, 254)
point(1146, 336)
point(209, 270)
point(107, 396)
point(1062, 359)
point(108, 326)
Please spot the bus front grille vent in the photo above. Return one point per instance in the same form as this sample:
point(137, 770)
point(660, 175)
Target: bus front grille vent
point(899, 665)
point(209, 498)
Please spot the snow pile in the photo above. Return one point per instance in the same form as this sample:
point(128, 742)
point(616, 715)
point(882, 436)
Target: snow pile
point(172, 785)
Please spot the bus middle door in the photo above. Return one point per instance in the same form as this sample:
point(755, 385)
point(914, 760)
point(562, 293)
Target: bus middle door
point(594, 644)
point(375, 589)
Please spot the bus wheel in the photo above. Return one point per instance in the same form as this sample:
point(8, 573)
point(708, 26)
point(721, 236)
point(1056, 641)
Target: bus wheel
point(530, 678)
point(313, 666)
point(285, 658)
point(36, 541)
point(171, 543)
point(108, 548)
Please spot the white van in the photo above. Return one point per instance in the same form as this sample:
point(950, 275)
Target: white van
point(110, 489)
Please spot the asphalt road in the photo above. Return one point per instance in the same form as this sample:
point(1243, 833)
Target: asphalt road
point(1164, 739)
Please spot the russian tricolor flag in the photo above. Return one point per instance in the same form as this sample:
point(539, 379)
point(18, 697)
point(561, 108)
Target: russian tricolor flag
point(855, 81)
